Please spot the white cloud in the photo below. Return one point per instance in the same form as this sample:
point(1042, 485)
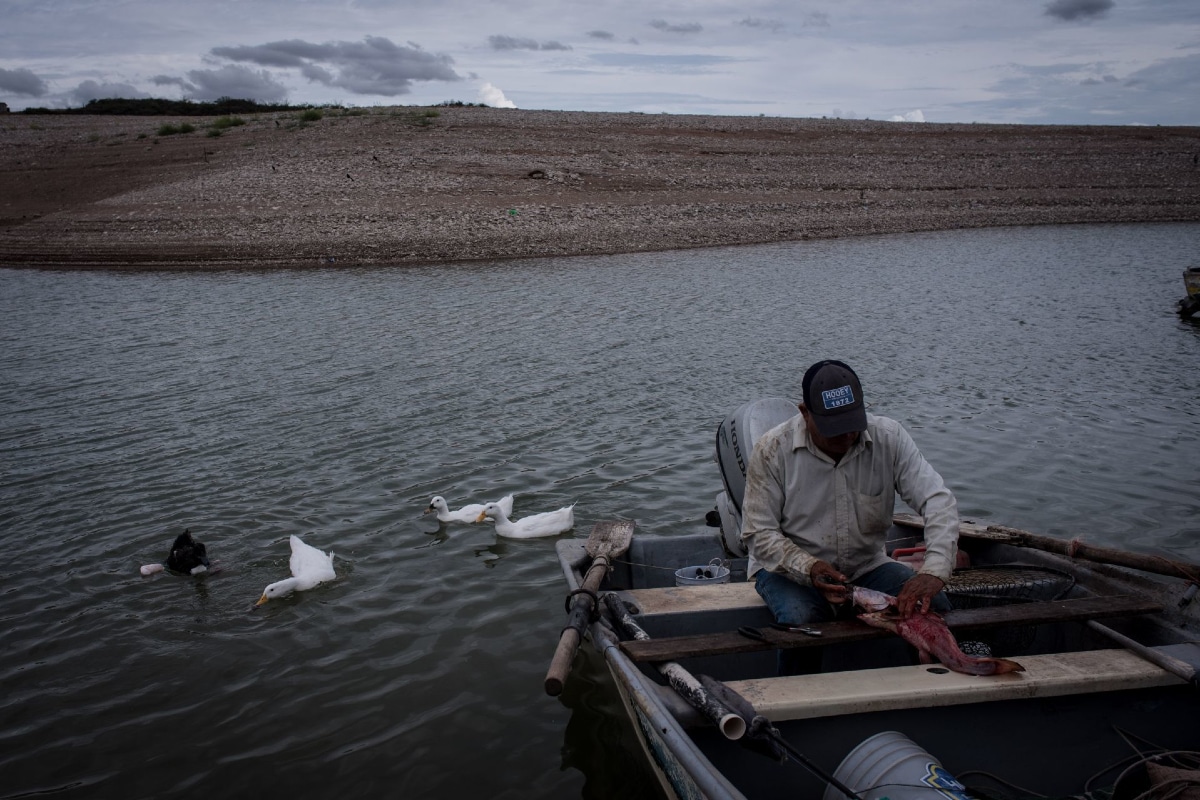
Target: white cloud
point(492, 96)
point(912, 116)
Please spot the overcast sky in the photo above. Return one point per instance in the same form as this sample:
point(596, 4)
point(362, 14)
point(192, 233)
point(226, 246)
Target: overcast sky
point(1014, 61)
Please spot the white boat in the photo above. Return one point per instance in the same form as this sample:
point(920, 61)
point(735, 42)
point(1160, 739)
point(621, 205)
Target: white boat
point(1108, 701)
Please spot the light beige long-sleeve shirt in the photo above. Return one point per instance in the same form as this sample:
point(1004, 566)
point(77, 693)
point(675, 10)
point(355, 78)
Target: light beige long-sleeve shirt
point(800, 506)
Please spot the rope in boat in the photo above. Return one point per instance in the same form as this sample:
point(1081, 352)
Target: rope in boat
point(724, 563)
point(1187, 761)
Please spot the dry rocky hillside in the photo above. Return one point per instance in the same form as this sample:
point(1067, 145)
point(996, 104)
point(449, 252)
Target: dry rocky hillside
point(409, 185)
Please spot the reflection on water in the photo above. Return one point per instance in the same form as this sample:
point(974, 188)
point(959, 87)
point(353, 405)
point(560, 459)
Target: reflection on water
point(599, 740)
point(1043, 371)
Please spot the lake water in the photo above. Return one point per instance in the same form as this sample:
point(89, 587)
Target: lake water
point(1043, 371)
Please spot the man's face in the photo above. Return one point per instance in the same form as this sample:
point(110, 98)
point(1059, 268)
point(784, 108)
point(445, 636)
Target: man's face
point(833, 446)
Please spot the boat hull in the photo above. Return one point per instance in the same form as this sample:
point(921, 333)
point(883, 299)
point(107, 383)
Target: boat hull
point(1034, 732)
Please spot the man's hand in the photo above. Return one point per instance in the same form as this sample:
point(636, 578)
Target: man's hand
point(829, 582)
point(917, 594)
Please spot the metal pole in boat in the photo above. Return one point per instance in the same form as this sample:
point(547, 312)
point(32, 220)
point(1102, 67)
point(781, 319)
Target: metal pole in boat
point(759, 727)
point(733, 714)
point(728, 722)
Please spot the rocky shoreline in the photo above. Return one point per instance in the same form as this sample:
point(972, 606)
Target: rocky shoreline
point(406, 185)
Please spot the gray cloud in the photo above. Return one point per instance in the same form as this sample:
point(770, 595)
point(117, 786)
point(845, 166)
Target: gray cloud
point(168, 80)
point(606, 35)
point(521, 43)
point(1171, 77)
point(512, 43)
point(375, 65)
point(1087, 93)
point(234, 81)
point(679, 65)
point(666, 27)
point(772, 25)
point(91, 90)
point(23, 82)
point(817, 19)
point(1071, 10)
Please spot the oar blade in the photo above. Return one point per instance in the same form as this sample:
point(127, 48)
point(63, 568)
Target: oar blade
point(609, 538)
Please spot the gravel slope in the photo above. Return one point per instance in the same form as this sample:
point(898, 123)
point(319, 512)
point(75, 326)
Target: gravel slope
point(410, 185)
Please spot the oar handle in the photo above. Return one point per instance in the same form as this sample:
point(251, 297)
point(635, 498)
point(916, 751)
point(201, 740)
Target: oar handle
point(1157, 565)
point(581, 611)
point(560, 664)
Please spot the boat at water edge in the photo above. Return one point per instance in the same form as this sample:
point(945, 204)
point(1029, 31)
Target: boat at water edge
point(1109, 641)
point(1189, 306)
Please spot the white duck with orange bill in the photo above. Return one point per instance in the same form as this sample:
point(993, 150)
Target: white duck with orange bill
point(310, 567)
point(468, 513)
point(548, 523)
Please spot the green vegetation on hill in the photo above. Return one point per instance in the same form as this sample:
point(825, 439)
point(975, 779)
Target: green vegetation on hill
point(158, 107)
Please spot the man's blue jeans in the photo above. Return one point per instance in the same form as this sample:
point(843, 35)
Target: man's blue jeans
point(794, 604)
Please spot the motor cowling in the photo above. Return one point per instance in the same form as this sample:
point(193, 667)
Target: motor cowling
point(736, 436)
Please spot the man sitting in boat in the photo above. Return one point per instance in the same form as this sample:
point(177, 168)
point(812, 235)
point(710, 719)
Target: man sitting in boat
point(820, 494)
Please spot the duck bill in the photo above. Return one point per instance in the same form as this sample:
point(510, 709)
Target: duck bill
point(261, 600)
point(482, 517)
point(429, 510)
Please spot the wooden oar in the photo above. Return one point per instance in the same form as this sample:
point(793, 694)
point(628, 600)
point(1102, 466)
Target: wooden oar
point(608, 540)
point(1157, 565)
point(1176, 666)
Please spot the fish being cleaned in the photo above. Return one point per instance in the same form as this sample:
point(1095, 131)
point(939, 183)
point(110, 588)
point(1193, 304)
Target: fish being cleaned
point(928, 633)
point(871, 600)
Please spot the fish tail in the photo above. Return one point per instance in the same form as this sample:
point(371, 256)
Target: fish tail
point(1003, 665)
point(987, 666)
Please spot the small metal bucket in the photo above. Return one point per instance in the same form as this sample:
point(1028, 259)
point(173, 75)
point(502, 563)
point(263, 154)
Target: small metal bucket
point(713, 572)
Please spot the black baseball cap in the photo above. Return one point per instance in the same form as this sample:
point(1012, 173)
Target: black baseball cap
point(833, 396)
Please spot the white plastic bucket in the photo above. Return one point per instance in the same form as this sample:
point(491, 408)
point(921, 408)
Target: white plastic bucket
point(891, 765)
point(710, 574)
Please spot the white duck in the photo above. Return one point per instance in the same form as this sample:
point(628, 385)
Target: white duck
point(548, 523)
point(468, 513)
point(309, 567)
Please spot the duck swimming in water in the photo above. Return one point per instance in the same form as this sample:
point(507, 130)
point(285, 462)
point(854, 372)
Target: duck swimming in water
point(548, 523)
point(187, 556)
point(467, 513)
point(309, 567)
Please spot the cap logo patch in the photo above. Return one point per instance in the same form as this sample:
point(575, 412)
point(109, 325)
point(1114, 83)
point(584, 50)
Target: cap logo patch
point(836, 398)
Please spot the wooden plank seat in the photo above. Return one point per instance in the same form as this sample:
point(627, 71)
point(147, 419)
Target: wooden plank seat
point(690, 599)
point(1032, 613)
point(890, 688)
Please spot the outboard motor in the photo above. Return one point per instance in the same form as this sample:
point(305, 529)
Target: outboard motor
point(735, 443)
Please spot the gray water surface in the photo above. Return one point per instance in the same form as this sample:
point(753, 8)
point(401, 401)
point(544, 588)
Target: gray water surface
point(1041, 370)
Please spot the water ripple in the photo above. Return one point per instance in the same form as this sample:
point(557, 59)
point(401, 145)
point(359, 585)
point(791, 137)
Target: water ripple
point(1041, 371)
